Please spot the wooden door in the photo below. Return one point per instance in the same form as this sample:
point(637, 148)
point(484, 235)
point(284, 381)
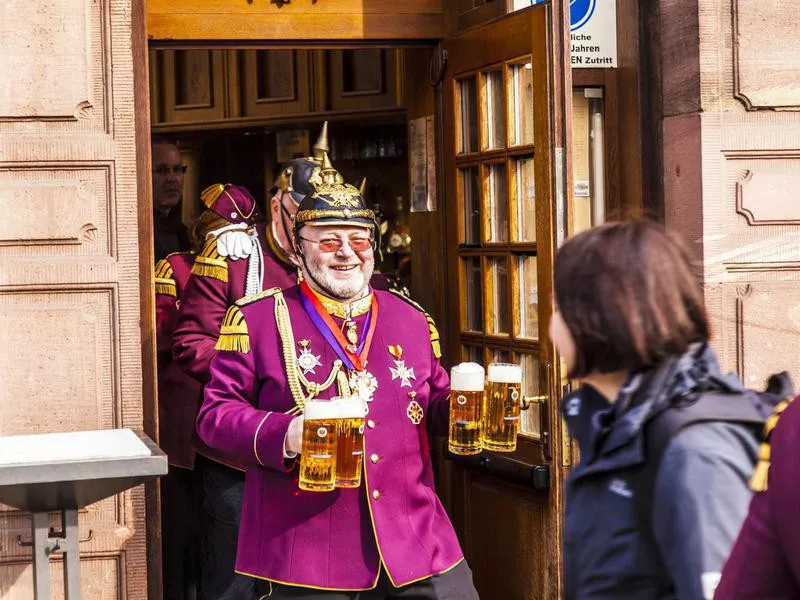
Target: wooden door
point(504, 150)
point(73, 273)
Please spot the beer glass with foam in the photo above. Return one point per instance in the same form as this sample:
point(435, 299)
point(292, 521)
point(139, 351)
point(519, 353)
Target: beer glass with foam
point(350, 441)
point(502, 404)
point(466, 408)
point(318, 455)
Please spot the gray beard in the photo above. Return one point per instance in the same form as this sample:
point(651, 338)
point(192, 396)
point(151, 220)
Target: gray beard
point(338, 290)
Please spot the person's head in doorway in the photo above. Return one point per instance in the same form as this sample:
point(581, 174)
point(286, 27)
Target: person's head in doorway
point(168, 173)
point(295, 182)
point(334, 238)
point(627, 300)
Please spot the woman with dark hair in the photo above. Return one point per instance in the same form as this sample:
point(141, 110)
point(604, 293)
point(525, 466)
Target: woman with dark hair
point(631, 325)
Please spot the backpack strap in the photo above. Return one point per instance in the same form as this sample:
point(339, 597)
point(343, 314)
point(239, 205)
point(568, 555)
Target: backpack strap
point(745, 408)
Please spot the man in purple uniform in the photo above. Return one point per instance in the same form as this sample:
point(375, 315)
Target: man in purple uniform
point(331, 336)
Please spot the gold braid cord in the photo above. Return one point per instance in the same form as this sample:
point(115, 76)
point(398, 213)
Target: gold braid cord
point(165, 279)
point(758, 482)
point(294, 376)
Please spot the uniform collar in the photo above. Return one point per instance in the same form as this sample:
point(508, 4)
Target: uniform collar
point(342, 310)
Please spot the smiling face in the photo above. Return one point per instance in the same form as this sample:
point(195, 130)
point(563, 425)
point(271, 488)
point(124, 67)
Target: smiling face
point(342, 273)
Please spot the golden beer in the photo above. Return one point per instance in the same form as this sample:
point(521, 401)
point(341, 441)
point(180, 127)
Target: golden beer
point(318, 456)
point(350, 442)
point(502, 404)
point(466, 408)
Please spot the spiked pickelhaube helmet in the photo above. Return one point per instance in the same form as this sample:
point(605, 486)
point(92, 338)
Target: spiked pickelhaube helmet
point(295, 175)
point(333, 202)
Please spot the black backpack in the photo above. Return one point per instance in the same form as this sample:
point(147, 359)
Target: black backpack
point(725, 401)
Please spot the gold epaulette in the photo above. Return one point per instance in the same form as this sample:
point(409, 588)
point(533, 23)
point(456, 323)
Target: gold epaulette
point(258, 296)
point(165, 279)
point(435, 341)
point(233, 335)
point(758, 482)
point(210, 264)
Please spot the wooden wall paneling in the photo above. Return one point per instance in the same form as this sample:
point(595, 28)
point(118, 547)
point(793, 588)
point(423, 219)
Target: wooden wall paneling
point(276, 82)
point(341, 20)
point(233, 74)
point(428, 259)
point(154, 79)
point(194, 85)
point(72, 286)
point(364, 79)
point(320, 85)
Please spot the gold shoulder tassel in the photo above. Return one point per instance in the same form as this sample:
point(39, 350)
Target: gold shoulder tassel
point(210, 264)
point(234, 336)
point(211, 194)
point(758, 482)
point(165, 279)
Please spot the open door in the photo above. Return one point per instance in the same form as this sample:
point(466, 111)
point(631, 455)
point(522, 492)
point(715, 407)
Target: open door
point(505, 149)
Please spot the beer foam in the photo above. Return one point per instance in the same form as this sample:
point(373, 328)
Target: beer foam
point(320, 409)
point(505, 373)
point(351, 408)
point(467, 377)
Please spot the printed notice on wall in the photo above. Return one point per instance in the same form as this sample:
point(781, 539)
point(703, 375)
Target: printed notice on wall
point(422, 164)
point(593, 30)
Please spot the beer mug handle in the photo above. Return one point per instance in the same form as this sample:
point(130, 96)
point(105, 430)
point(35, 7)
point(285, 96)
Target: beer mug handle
point(528, 400)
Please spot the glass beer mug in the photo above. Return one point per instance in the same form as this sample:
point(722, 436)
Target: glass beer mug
point(466, 406)
point(502, 404)
point(350, 441)
point(318, 455)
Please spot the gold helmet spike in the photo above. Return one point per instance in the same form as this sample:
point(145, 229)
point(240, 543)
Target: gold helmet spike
point(362, 189)
point(321, 146)
point(328, 174)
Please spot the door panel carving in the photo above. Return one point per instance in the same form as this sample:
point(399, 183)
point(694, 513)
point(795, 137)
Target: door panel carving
point(69, 265)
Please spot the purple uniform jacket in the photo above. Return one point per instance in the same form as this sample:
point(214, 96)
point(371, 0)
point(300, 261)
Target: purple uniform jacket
point(208, 297)
point(335, 540)
point(179, 395)
point(765, 561)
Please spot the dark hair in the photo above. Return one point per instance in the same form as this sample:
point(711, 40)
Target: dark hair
point(628, 296)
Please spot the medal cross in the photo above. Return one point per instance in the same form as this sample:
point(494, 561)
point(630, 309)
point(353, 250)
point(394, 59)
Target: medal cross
point(402, 372)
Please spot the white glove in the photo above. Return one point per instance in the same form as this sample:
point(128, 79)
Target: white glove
point(233, 241)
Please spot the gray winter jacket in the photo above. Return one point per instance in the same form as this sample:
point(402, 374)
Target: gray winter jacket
point(700, 498)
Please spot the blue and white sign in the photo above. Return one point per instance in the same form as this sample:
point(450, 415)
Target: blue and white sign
point(593, 33)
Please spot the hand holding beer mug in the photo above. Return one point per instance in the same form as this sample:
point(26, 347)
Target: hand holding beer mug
point(466, 404)
point(318, 457)
point(350, 441)
point(502, 404)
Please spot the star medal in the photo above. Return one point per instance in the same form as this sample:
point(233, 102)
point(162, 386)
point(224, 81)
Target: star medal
point(363, 383)
point(402, 372)
point(414, 411)
point(307, 361)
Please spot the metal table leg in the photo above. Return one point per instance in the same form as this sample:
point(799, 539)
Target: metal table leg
point(47, 542)
point(40, 528)
point(72, 559)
